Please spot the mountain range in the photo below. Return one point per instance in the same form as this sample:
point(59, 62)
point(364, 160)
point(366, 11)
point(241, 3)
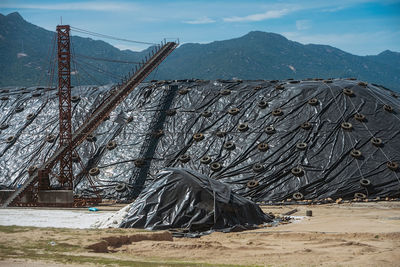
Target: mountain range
point(25, 57)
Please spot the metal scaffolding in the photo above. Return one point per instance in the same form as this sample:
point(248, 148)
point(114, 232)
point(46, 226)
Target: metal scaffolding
point(64, 96)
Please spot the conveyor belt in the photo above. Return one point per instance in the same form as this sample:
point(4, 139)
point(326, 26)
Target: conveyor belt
point(104, 109)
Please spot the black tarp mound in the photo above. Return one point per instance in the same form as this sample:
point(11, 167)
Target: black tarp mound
point(270, 141)
point(181, 198)
point(292, 141)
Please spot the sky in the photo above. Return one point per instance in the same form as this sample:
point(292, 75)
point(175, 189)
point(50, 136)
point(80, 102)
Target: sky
point(361, 27)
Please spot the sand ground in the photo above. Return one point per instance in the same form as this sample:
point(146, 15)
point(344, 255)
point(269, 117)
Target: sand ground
point(350, 234)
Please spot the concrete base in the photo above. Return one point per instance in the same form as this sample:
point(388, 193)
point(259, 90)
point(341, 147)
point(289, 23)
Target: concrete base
point(6, 193)
point(56, 197)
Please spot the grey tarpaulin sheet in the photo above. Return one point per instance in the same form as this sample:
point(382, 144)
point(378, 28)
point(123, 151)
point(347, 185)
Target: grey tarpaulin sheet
point(327, 168)
point(30, 147)
point(181, 198)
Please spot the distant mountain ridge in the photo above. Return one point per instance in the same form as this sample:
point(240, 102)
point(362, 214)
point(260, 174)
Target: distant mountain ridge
point(256, 55)
point(260, 55)
point(35, 44)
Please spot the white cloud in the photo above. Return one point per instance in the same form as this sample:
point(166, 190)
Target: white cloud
point(203, 20)
point(303, 24)
point(334, 9)
point(271, 14)
point(278, 10)
point(94, 6)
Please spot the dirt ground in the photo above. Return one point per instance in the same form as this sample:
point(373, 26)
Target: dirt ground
point(350, 234)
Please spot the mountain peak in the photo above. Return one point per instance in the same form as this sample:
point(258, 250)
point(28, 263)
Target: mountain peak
point(265, 35)
point(388, 52)
point(15, 16)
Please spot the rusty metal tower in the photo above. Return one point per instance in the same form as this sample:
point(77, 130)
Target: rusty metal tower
point(64, 98)
point(38, 179)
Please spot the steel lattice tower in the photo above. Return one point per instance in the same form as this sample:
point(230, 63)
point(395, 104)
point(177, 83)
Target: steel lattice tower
point(64, 98)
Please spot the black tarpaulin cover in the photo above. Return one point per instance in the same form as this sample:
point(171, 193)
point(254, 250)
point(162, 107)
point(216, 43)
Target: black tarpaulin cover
point(181, 198)
point(268, 140)
point(281, 140)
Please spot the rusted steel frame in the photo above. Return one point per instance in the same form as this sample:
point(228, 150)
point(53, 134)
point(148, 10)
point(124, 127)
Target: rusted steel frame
point(64, 97)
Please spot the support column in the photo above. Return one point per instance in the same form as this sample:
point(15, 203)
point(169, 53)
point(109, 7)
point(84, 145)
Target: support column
point(64, 98)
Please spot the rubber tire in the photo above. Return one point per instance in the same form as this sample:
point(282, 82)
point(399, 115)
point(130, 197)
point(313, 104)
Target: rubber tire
point(306, 125)
point(365, 182)
point(297, 171)
point(301, 146)
point(111, 145)
point(392, 165)
point(229, 146)
point(216, 166)
point(277, 112)
point(198, 137)
point(348, 92)
point(263, 147)
point(120, 187)
point(347, 126)
point(360, 195)
point(205, 160)
point(220, 134)
point(356, 153)
point(359, 117)
point(243, 127)
point(94, 171)
point(252, 184)
point(298, 196)
point(184, 158)
point(257, 167)
point(233, 111)
point(313, 101)
point(376, 141)
point(225, 92)
point(270, 130)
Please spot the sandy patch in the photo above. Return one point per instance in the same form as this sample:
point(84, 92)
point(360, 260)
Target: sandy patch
point(353, 234)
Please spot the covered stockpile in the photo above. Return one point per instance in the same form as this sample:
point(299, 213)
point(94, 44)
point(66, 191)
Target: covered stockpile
point(185, 199)
point(270, 141)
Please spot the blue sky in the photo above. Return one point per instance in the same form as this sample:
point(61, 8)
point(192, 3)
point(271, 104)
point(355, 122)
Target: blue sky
point(361, 27)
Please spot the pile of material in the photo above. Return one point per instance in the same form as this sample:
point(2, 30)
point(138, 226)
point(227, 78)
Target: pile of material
point(183, 199)
point(271, 141)
point(114, 220)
